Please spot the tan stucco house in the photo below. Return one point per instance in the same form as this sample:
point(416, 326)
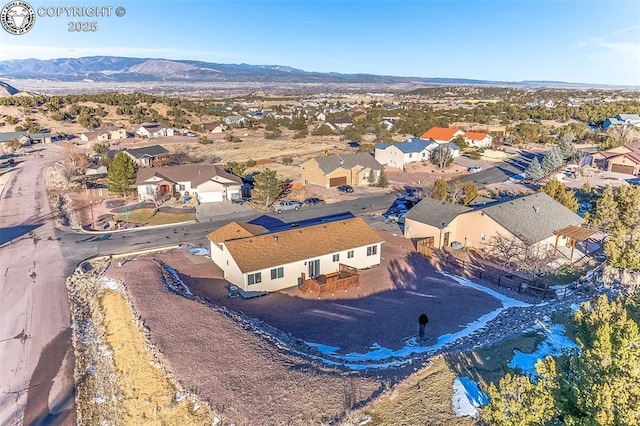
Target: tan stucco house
point(255, 259)
point(532, 219)
point(343, 169)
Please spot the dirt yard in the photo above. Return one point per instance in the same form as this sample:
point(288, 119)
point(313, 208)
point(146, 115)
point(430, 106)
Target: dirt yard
point(243, 377)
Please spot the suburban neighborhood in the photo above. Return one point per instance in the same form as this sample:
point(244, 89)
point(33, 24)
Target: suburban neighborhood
point(318, 251)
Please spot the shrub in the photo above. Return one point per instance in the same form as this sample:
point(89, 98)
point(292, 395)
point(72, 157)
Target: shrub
point(251, 162)
point(287, 160)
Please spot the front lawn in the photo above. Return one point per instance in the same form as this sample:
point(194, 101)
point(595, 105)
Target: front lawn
point(147, 217)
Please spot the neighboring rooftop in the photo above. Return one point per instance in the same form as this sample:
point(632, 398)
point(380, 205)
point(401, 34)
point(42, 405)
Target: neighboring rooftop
point(347, 161)
point(235, 230)
point(440, 133)
point(194, 173)
point(435, 212)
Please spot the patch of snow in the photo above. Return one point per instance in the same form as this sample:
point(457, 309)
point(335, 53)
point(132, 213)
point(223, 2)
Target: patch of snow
point(554, 345)
point(325, 349)
point(365, 421)
point(177, 277)
point(216, 421)
point(99, 400)
point(109, 283)
point(199, 251)
point(467, 397)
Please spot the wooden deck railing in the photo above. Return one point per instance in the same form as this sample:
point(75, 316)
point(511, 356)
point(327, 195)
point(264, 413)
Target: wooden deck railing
point(346, 277)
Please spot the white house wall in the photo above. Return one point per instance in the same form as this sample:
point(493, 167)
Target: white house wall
point(295, 269)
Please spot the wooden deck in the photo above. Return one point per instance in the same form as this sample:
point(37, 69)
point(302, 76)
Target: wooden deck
point(343, 279)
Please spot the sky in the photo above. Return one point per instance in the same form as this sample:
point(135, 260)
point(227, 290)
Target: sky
point(578, 41)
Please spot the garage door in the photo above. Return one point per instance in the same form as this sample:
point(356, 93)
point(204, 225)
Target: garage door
point(619, 168)
point(209, 197)
point(338, 181)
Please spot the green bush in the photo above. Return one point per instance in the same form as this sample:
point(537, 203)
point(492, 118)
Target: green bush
point(251, 162)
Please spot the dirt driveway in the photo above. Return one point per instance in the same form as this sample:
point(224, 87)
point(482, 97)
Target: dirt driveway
point(383, 310)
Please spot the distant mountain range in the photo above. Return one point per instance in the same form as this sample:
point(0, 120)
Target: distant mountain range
point(120, 69)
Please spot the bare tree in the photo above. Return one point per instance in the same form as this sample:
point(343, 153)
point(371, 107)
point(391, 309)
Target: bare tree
point(507, 249)
point(457, 192)
point(442, 157)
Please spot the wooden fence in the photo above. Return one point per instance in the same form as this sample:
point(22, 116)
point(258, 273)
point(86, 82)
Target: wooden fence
point(500, 278)
point(343, 279)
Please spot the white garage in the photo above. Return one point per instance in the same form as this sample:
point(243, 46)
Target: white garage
point(210, 197)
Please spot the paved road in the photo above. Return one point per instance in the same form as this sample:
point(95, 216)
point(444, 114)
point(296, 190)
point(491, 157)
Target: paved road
point(503, 171)
point(77, 247)
point(36, 358)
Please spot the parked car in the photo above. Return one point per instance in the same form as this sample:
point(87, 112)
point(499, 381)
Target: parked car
point(396, 218)
point(313, 201)
point(286, 205)
point(240, 200)
point(347, 189)
point(474, 169)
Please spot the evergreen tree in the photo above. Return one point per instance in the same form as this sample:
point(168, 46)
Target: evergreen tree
point(440, 190)
point(470, 192)
point(534, 171)
point(552, 160)
point(628, 199)
point(121, 174)
point(600, 387)
point(606, 212)
point(371, 179)
point(566, 145)
point(235, 168)
point(268, 186)
point(559, 192)
point(383, 182)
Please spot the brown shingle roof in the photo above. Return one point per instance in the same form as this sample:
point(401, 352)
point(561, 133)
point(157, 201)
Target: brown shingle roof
point(235, 230)
point(347, 161)
point(265, 251)
point(194, 173)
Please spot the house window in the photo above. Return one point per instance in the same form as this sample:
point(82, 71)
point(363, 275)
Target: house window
point(483, 237)
point(349, 254)
point(277, 273)
point(336, 257)
point(410, 155)
point(254, 278)
point(182, 187)
point(423, 154)
point(372, 250)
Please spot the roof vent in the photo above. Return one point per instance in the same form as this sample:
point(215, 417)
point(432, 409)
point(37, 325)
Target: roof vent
point(535, 208)
point(275, 239)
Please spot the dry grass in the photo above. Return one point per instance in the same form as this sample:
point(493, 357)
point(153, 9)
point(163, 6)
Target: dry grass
point(423, 398)
point(117, 378)
point(147, 395)
point(147, 217)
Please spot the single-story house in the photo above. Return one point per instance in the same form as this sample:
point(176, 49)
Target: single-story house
point(532, 219)
point(96, 170)
point(152, 131)
point(207, 182)
point(339, 124)
point(386, 123)
point(341, 169)
point(478, 139)
point(149, 156)
point(104, 134)
point(256, 260)
point(235, 120)
point(26, 138)
point(214, 127)
point(442, 134)
point(410, 151)
point(622, 120)
point(621, 159)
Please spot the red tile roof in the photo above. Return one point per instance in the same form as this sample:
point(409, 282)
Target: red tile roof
point(476, 136)
point(440, 133)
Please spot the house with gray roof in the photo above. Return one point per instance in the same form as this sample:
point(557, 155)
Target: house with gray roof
point(26, 138)
point(148, 156)
point(341, 169)
point(532, 219)
point(410, 151)
point(622, 120)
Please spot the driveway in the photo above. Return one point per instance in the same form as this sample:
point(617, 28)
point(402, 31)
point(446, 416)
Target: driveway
point(207, 212)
